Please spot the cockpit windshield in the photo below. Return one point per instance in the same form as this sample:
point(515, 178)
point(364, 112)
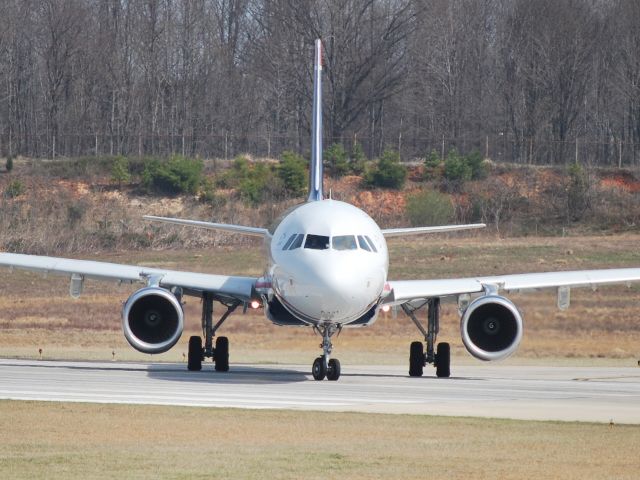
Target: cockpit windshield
point(363, 243)
point(289, 242)
point(323, 242)
point(297, 243)
point(317, 242)
point(344, 242)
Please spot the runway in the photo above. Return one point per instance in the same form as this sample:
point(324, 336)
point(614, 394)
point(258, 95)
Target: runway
point(594, 394)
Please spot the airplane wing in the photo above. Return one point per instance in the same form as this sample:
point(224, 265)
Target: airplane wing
point(232, 287)
point(399, 232)
point(253, 231)
point(402, 291)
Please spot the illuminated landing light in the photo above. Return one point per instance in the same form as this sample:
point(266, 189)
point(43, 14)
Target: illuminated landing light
point(255, 304)
point(386, 308)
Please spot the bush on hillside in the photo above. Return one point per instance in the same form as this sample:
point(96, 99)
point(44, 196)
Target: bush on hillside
point(14, 189)
point(429, 207)
point(336, 159)
point(476, 162)
point(120, 171)
point(258, 180)
point(176, 176)
point(293, 173)
point(357, 159)
point(432, 166)
point(387, 173)
point(456, 167)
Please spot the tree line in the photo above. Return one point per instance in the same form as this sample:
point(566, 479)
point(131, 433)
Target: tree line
point(528, 81)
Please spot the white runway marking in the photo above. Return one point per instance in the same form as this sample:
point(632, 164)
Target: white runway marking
point(541, 393)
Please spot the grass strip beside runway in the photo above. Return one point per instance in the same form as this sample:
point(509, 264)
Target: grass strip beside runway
point(64, 440)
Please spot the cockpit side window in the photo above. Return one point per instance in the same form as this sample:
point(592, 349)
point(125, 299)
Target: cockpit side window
point(317, 242)
point(289, 242)
point(297, 243)
point(363, 243)
point(373, 247)
point(344, 242)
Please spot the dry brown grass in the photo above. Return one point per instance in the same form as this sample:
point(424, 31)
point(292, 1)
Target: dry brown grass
point(37, 313)
point(56, 440)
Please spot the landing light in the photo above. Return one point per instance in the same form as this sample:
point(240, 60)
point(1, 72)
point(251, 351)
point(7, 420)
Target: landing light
point(386, 308)
point(255, 304)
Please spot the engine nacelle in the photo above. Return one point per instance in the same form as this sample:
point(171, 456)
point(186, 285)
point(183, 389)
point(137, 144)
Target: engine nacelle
point(152, 320)
point(491, 328)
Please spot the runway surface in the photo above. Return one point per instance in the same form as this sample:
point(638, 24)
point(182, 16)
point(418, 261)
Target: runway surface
point(541, 393)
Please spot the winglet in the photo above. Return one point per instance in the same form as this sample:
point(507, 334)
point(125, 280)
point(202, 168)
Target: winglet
point(315, 173)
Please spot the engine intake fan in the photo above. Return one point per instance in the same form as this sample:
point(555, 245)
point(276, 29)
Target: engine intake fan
point(491, 328)
point(152, 320)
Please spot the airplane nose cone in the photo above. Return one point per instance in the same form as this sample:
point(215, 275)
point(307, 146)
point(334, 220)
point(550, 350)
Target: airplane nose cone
point(338, 290)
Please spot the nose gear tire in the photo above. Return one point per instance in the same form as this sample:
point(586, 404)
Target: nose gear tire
point(318, 369)
point(333, 373)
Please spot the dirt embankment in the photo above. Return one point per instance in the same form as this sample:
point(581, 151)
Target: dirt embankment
point(54, 212)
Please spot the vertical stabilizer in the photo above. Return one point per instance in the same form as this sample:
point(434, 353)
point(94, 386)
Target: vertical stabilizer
point(315, 173)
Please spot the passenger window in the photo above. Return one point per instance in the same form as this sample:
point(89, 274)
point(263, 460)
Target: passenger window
point(344, 242)
point(289, 242)
point(297, 242)
point(363, 243)
point(373, 247)
point(317, 242)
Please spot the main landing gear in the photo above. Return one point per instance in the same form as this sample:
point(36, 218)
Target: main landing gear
point(324, 366)
point(219, 354)
point(440, 357)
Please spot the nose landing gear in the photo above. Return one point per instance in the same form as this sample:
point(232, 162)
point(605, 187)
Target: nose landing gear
point(324, 366)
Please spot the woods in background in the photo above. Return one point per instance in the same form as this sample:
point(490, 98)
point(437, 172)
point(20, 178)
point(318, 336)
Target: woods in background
point(542, 82)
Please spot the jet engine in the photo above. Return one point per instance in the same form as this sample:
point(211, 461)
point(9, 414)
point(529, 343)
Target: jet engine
point(491, 328)
point(152, 320)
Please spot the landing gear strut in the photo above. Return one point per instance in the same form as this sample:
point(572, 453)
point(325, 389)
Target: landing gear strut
point(439, 357)
point(219, 354)
point(324, 366)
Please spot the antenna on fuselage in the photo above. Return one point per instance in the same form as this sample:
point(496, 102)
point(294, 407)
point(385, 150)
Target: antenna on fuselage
point(315, 173)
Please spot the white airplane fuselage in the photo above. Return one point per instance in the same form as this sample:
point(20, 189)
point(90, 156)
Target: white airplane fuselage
point(328, 263)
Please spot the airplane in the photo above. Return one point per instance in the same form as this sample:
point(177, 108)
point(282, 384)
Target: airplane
point(328, 266)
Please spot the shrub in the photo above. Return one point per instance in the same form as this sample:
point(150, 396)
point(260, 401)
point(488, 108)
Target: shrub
point(388, 173)
point(75, 213)
point(231, 178)
point(252, 187)
point(578, 192)
point(120, 171)
point(432, 164)
point(14, 189)
point(175, 176)
point(292, 171)
point(259, 181)
point(429, 208)
point(336, 159)
point(476, 163)
point(357, 159)
point(207, 192)
point(456, 168)
point(9, 164)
